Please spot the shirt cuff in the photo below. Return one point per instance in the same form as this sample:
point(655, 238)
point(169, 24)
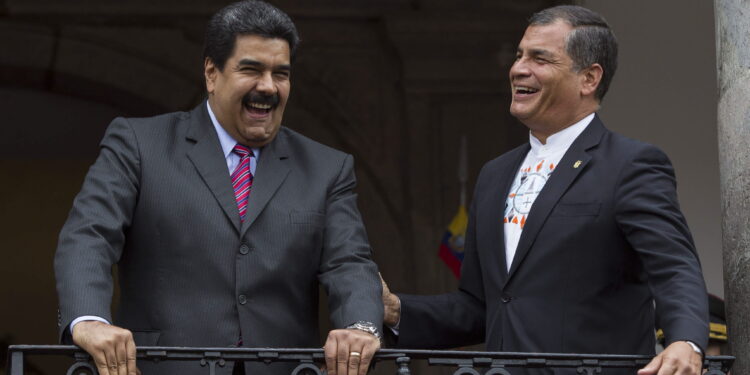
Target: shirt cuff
point(696, 348)
point(86, 318)
point(395, 327)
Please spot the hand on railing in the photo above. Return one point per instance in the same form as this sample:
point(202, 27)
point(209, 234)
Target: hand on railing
point(678, 358)
point(350, 351)
point(111, 347)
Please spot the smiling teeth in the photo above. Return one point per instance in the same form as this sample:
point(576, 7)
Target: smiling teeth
point(525, 90)
point(260, 106)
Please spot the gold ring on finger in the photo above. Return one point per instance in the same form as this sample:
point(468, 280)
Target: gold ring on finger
point(355, 354)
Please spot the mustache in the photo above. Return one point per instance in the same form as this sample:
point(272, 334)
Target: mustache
point(256, 97)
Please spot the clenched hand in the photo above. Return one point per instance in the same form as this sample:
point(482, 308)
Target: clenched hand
point(111, 347)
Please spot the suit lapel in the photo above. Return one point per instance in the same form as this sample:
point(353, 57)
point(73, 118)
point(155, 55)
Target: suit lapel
point(272, 169)
point(208, 159)
point(572, 164)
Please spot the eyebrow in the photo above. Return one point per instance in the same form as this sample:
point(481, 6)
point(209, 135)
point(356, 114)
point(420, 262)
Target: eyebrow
point(251, 62)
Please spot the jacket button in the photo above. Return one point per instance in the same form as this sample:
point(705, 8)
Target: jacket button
point(244, 249)
point(506, 298)
point(242, 299)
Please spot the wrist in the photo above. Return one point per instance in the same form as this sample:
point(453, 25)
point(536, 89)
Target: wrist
point(366, 327)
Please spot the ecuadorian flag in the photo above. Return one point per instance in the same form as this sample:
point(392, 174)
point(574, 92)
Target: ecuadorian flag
point(452, 246)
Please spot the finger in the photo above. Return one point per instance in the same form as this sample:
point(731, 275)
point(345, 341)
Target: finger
point(355, 357)
point(652, 367)
point(122, 358)
point(364, 363)
point(100, 360)
point(111, 360)
point(130, 354)
point(330, 354)
point(342, 356)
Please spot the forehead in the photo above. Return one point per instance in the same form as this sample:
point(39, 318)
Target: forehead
point(257, 47)
point(550, 37)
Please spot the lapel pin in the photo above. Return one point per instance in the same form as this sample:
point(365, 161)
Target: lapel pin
point(577, 164)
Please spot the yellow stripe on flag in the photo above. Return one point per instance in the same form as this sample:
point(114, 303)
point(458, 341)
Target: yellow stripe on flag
point(460, 222)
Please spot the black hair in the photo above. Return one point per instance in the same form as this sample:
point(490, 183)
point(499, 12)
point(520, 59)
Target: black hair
point(248, 17)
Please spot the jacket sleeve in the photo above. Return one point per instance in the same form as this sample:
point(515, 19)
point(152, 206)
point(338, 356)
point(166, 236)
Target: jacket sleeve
point(448, 320)
point(648, 213)
point(92, 238)
point(346, 271)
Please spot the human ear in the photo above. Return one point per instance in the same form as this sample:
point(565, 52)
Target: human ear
point(590, 79)
point(210, 71)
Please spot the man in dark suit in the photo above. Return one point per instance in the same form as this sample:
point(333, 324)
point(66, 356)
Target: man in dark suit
point(572, 236)
point(221, 222)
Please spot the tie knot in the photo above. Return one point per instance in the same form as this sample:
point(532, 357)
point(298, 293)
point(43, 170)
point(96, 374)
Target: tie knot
point(242, 151)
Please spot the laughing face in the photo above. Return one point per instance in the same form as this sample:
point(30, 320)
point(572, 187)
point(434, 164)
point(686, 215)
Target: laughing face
point(548, 94)
point(249, 95)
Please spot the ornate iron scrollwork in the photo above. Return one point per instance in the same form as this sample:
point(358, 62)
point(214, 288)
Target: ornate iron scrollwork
point(82, 368)
point(306, 369)
point(466, 371)
point(497, 371)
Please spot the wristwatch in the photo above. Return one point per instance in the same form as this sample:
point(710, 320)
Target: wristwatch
point(366, 327)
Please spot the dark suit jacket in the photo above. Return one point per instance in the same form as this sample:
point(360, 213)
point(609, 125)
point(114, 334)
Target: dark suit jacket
point(603, 240)
point(158, 203)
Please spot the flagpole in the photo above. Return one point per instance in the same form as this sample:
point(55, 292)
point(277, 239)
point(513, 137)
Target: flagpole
point(463, 166)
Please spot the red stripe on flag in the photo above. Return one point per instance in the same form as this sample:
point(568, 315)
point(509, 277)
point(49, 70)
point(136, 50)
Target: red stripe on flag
point(453, 263)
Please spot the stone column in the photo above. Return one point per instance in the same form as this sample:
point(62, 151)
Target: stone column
point(733, 64)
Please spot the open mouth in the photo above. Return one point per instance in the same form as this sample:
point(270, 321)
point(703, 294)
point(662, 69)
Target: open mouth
point(259, 105)
point(524, 90)
point(258, 108)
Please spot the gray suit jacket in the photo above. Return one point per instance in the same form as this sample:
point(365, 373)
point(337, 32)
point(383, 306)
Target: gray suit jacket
point(159, 204)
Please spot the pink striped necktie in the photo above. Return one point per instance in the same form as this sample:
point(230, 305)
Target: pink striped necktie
point(242, 179)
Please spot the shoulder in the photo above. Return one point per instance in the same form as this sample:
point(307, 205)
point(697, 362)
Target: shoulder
point(158, 131)
point(628, 150)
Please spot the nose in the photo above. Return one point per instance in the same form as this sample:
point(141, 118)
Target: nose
point(519, 68)
point(265, 84)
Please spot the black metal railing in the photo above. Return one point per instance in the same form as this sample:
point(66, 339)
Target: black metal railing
point(308, 361)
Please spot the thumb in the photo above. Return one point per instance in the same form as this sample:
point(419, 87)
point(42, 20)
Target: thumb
point(652, 367)
point(386, 290)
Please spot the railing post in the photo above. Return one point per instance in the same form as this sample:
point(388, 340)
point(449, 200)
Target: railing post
point(16, 363)
point(403, 366)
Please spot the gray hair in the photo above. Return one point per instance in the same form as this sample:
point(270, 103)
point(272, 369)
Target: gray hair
point(591, 41)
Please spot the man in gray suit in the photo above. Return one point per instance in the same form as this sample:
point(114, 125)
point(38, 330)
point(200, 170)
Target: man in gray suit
point(221, 222)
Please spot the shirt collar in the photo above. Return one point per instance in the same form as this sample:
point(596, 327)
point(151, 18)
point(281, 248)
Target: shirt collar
point(226, 140)
point(562, 139)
